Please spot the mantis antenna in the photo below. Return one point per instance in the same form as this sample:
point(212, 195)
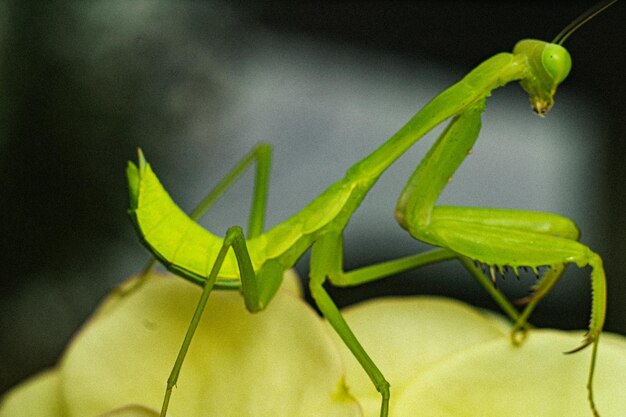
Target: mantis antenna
point(581, 20)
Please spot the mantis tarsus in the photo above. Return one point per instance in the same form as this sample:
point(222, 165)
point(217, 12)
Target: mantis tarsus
point(496, 238)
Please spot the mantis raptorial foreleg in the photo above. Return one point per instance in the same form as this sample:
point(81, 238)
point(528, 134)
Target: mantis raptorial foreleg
point(498, 238)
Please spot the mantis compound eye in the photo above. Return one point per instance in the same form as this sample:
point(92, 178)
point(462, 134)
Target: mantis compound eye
point(556, 61)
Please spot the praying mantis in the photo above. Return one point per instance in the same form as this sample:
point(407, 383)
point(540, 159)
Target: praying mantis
point(496, 239)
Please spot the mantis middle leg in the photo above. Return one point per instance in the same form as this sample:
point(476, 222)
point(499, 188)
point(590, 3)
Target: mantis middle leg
point(322, 263)
point(341, 278)
point(327, 262)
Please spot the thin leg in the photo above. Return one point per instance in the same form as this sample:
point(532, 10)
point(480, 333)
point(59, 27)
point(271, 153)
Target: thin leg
point(592, 368)
point(340, 278)
point(333, 316)
point(197, 315)
point(542, 288)
point(495, 294)
point(321, 260)
point(327, 261)
point(256, 223)
point(234, 238)
point(384, 269)
point(261, 154)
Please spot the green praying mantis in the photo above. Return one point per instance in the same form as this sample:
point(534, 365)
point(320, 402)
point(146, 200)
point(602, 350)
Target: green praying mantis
point(494, 239)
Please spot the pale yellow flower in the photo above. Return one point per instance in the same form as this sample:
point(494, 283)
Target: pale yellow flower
point(281, 362)
point(443, 358)
point(446, 359)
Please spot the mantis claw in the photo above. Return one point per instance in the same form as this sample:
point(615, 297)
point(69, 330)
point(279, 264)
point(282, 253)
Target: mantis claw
point(587, 340)
point(518, 335)
point(525, 300)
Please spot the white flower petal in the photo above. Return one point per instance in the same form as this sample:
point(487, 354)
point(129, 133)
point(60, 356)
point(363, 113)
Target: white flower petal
point(407, 336)
point(37, 396)
point(131, 411)
point(536, 379)
point(446, 359)
point(280, 362)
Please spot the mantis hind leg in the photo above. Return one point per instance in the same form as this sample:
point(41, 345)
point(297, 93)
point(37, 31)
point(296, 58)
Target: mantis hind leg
point(261, 154)
point(255, 296)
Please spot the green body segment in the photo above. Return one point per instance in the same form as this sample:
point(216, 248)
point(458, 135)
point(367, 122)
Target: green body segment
point(190, 250)
point(168, 232)
point(184, 246)
point(475, 86)
point(495, 237)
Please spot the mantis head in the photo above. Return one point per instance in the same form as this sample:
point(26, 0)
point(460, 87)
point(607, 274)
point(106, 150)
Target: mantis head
point(548, 65)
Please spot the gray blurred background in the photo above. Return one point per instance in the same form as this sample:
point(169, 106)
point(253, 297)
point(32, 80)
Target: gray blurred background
point(197, 84)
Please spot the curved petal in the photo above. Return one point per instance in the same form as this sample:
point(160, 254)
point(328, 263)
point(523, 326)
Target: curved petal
point(132, 410)
point(278, 362)
point(37, 396)
point(536, 379)
point(407, 336)
point(446, 359)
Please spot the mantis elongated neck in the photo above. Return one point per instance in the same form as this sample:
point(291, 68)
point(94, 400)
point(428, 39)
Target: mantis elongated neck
point(478, 84)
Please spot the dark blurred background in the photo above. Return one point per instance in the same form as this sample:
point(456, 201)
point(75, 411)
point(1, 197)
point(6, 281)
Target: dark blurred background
point(196, 84)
